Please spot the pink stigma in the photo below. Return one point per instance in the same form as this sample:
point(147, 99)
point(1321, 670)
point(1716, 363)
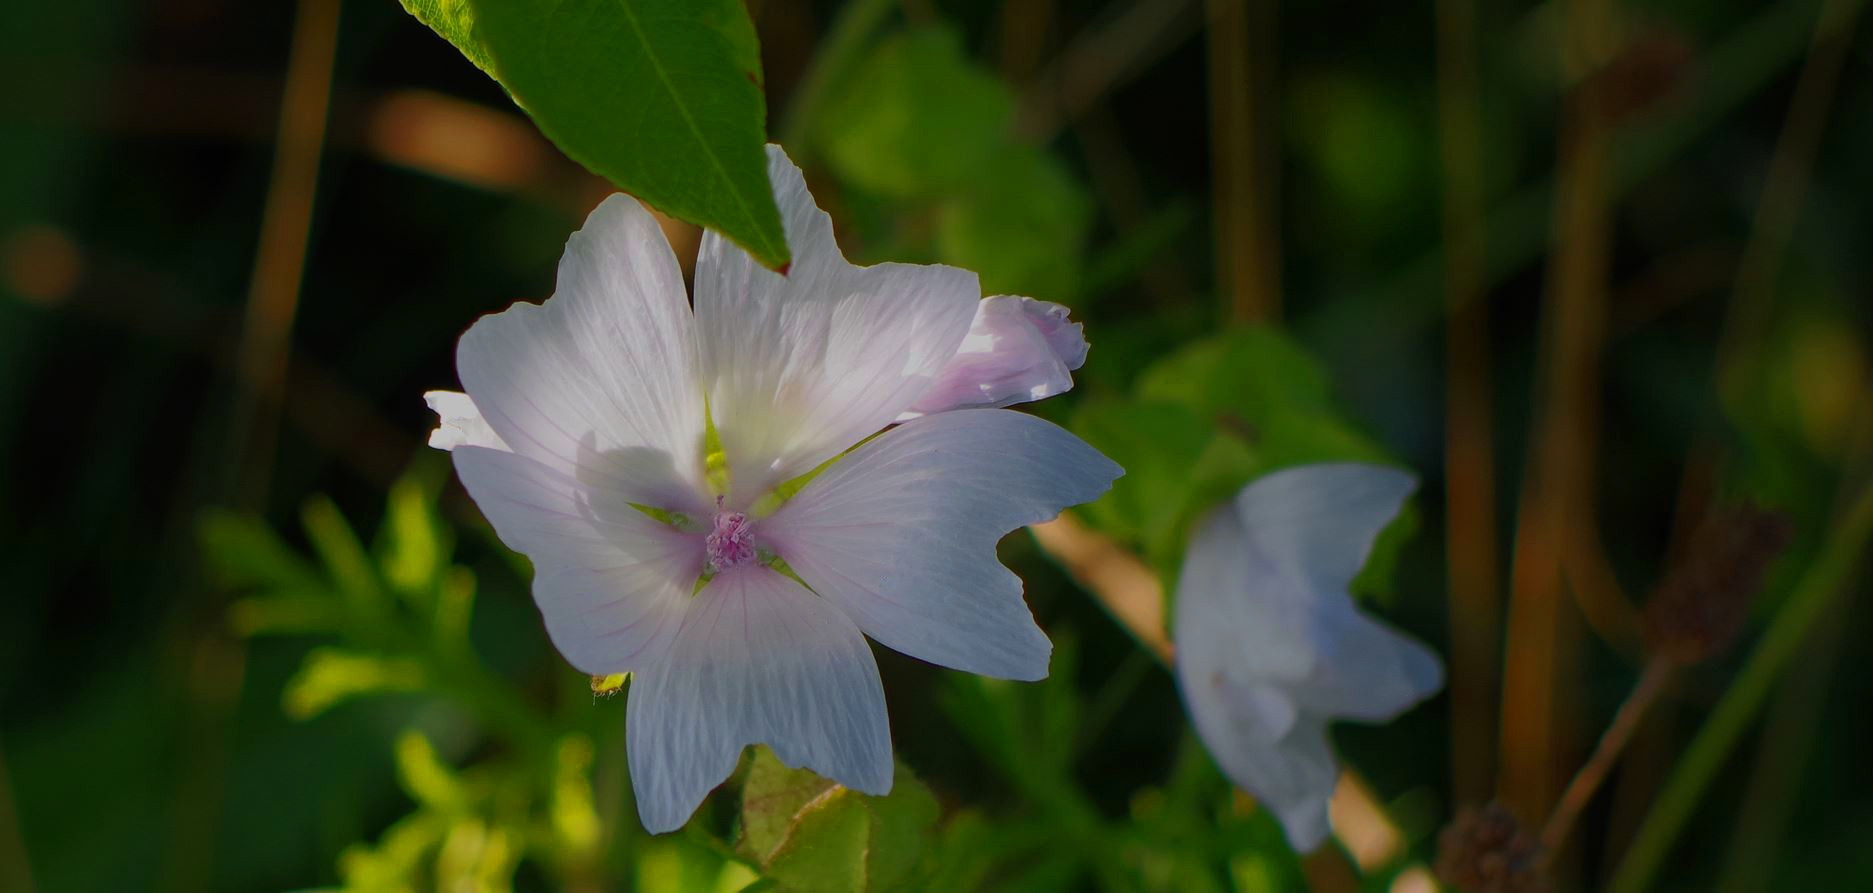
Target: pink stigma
point(730, 542)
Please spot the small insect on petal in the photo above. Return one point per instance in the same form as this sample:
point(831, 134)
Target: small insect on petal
point(607, 686)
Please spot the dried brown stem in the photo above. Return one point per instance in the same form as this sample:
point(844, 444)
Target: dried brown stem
point(1542, 630)
point(1469, 448)
point(1245, 175)
point(1580, 791)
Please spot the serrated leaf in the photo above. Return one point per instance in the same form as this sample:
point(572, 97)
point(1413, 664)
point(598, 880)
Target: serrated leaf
point(661, 97)
point(454, 20)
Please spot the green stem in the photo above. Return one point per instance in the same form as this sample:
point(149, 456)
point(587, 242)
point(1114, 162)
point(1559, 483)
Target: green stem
point(837, 51)
point(1825, 579)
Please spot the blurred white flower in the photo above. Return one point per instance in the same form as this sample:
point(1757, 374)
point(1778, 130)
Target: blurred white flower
point(584, 438)
point(1270, 646)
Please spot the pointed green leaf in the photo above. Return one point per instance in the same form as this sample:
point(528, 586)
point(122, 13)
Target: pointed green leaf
point(454, 20)
point(661, 97)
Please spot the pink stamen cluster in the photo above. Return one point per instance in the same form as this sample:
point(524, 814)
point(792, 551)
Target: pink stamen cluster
point(730, 542)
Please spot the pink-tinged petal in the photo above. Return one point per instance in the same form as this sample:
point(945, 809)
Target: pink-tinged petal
point(459, 423)
point(900, 534)
point(599, 382)
point(610, 582)
point(1017, 350)
point(800, 367)
point(1270, 647)
point(758, 660)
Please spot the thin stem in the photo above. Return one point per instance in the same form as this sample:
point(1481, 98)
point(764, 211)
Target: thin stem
point(1542, 633)
point(1469, 452)
point(1793, 721)
point(1784, 191)
point(1824, 581)
point(280, 260)
point(1587, 781)
point(1248, 256)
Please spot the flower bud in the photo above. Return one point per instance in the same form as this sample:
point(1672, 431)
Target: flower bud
point(1485, 850)
point(1702, 605)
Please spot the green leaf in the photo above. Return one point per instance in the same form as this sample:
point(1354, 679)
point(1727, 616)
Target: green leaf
point(455, 21)
point(1270, 406)
point(1257, 385)
point(425, 777)
point(1245, 372)
point(770, 798)
point(1157, 444)
point(415, 542)
point(809, 833)
point(241, 551)
point(1022, 226)
point(346, 561)
point(826, 849)
point(662, 97)
point(332, 675)
point(902, 830)
point(916, 117)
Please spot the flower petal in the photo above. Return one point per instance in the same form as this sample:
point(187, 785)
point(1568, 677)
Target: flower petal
point(599, 382)
point(901, 534)
point(609, 581)
point(1270, 647)
point(459, 423)
point(1368, 671)
point(758, 660)
point(800, 367)
point(1317, 522)
point(1018, 349)
point(1236, 617)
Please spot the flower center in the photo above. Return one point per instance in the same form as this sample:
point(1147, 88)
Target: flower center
point(730, 542)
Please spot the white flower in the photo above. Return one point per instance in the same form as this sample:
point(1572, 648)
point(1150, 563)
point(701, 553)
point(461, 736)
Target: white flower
point(1270, 646)
point(593, 462)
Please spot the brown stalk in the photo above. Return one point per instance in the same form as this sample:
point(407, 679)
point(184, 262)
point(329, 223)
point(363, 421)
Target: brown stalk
point(1244, 171)
point(1630, 716)
point(1543, 630)
point(1469, 449)
point(217, 663)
